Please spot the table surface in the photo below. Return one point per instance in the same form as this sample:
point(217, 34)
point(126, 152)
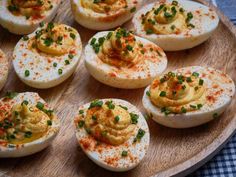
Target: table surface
point(224, 163)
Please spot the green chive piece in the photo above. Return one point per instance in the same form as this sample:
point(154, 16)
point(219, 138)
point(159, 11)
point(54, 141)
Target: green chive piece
point(28, 134)
point(117, 118)
point(60, 71)
point(49, 122)
point(148, 93)
point(125, 108)
point(40, 106)
point(133, 9)
point(183, 110)
point(134, 118)
point(81, 124)
point(71, 56)
point(55, 64)
point(81, 111)
point(27, 73)
point(199, 106)
point(124, 153)
point(25, 38)
point(96, 103)
point(94, 117)
point(11, 95)
point(67, 62)
point(162, 94)
point(201, 81)
point(72, 35)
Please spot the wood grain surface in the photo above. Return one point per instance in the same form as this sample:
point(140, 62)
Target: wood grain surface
point(171, 152)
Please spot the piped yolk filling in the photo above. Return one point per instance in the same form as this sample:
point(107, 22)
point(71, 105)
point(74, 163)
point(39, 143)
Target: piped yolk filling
point(109, 123)
point(54, 39)
point(175, 93)
point(26, 124)
point(167, 19)
point(119, 48)
point(29, 8)
point(104, 6)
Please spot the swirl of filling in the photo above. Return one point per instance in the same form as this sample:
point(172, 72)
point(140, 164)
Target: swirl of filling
point(27, 123)
point(54, 39)
point(29, 8)
point(109, 123)
point(167, 19)
point(104, 6)
point(175, 93)
point(118, 48)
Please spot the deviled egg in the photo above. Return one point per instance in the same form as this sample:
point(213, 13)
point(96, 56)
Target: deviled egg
point(27, 124)
point(3, 69)
point(24, 16)
point(103, 14)
point(189, 96)
point(48, 56)
point(113, 133)
point(120, 59)
point(175, 25)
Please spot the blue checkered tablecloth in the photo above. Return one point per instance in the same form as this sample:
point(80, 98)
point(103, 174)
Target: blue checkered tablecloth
point(224, 163)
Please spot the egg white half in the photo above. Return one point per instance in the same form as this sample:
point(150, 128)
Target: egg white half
point(103, 21)
point(3, 69)
point(21, 25)
point(222, 94)
point(204, 19)
point(127, 78)
point(12, 150)
point(108, 156)
point(42, 72)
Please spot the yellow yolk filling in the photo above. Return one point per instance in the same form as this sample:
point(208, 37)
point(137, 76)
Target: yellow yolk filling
point(112, 126)
point(104, 6)
point(29, 8)
point(55, 39)
point(119, 48)
point(27, 124)
point(167, 19)
point(178, 94)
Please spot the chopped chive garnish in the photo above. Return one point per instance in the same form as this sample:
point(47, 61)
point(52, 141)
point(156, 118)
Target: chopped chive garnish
point(81, 124)
point(183, 110)
point(199, 106)
point(201, 82)
point(11, 95)
point(60, 71)
point(96, 103)
point(67, 62)
point(71, 56)
point(193, 106)
point(162, 94)
point(124, 153)
point(72, 35)
point(27, 73)
point(54, 64)
point(125, 108)
point(81, 111)
point(133, 9)
point(25, 38)
point(94, 117)
point(49, 122)
point(195, 74)
point(117, 118)
point(40, 106)
point(148, 93)
point(134, 118)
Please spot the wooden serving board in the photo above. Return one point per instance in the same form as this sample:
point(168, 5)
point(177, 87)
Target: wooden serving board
point(171, 151)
